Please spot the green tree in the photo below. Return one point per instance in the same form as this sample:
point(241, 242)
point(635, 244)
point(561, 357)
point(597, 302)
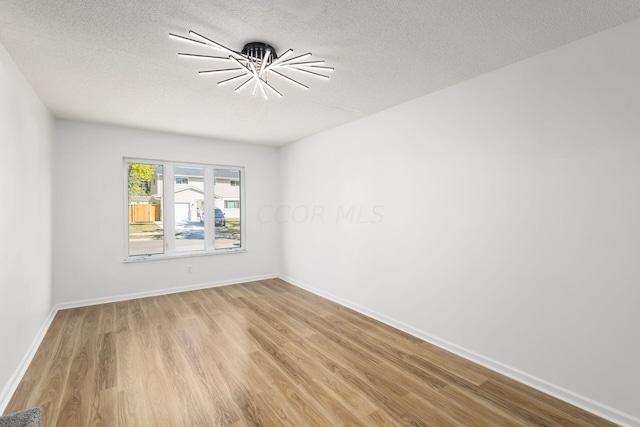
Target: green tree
point(140, 179)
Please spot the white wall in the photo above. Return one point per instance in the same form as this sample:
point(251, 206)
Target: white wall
point(501, 216)
point(88, 213)
point(25, 221)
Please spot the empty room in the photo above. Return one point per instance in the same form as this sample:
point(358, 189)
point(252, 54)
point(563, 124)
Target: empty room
point(320, 213)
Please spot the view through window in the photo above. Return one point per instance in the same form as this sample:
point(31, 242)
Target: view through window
point(146, 233)
point(227, 202)
point(188, 202)
point(168, 209)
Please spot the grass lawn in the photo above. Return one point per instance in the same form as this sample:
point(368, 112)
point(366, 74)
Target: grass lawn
point(149, 227)
point(233, 225)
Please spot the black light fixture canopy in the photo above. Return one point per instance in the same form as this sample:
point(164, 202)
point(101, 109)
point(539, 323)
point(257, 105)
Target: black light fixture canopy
point(258, 50)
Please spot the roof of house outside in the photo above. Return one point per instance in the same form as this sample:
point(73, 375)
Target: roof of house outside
point(227, 173)
point(139, 199)
point(195, 171)
point(192, 188)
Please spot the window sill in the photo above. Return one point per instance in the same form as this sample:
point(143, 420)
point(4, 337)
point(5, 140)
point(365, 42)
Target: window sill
point(145, 258)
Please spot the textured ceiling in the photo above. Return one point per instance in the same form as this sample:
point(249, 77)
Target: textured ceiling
point(113, 61)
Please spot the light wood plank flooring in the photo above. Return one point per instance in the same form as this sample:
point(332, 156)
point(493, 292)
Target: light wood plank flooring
point(261, 354)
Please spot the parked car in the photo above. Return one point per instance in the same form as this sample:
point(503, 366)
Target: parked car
point(219, 216)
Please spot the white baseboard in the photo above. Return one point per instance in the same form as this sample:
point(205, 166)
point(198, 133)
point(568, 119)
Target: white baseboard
point(544, 386)
point(126, 297)
point(14, 381)
point(568, 396)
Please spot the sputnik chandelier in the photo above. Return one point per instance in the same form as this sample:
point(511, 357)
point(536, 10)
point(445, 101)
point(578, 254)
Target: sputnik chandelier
point(256, 66)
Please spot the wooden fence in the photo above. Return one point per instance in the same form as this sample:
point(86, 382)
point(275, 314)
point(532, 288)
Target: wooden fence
point(144, 213)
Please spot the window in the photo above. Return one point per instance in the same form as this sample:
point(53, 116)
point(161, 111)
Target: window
point(229, 235)
point(167, 219)
point(144, 211)
point(188, 207)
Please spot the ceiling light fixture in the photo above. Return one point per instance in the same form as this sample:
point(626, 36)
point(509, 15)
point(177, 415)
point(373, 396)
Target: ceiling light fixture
point(255, 64)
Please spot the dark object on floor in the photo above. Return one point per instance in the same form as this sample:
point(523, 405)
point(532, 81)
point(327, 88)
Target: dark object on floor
point(26, 418)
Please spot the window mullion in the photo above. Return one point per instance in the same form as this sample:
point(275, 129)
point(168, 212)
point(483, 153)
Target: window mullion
point(169, 212)
point(209, 203)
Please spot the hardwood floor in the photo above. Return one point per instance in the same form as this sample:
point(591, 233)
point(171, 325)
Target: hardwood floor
point(260, 354)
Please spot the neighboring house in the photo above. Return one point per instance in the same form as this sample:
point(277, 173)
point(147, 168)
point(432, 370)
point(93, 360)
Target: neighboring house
point(227, 192)
point(189, 192)
point(188, 203)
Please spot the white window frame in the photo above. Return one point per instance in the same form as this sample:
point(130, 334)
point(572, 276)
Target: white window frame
point(168, 188)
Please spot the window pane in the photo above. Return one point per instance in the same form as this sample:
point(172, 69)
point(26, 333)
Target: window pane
point(227, 204)
point(189, 212)
point(145, 209)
